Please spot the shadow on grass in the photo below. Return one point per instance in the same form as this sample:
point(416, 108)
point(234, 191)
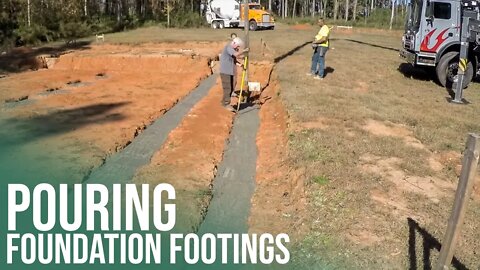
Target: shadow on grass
point(429, 243)
point(371, 45)
point(23, 58)
point(21, 130)
point(427, 74)
point(412, 72)
point(450, 88)
point(291, 52)
point(328, 70)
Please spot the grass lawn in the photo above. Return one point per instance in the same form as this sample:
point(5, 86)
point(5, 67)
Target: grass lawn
point(380, 146)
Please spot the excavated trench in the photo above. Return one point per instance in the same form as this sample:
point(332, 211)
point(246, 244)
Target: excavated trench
point(229, 207)
point(234, 183)
point(59, 123)
point(141, 100)
point(121, 167)
point(235, 173)
point(141, 117)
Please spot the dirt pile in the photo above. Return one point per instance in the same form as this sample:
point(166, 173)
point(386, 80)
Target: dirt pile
point(279, 202)
point(168, 64)
point(189, 157)
point(302, 27)
point(97, 105)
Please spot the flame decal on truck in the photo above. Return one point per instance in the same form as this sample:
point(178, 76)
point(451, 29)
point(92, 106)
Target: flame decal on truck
point(440, 39)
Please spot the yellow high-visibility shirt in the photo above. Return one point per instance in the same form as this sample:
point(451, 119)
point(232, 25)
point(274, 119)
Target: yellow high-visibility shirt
point(324, 32)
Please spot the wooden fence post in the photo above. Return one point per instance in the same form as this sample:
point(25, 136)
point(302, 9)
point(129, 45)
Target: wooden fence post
point(462, 195)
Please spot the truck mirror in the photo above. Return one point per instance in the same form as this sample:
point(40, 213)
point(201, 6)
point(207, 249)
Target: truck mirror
point(429, 13)
point(430, 20)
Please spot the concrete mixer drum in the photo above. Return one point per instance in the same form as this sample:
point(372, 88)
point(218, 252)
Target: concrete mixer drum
point(228, 13)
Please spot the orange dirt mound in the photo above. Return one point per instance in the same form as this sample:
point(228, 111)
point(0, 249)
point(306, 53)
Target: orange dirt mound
point(302, 27)
point(189, 157)
point(130, 63)
point(133, 92)
point(278, 186)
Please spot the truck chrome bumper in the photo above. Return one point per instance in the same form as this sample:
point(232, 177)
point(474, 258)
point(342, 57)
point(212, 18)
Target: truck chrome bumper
point(266, 24)
point(408, 56)
point(420, 59)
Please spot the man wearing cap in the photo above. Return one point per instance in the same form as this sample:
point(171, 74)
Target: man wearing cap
point(320, 46)
point(228, 61)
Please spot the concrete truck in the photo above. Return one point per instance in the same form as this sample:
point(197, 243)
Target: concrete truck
point(433, 33)
point(230, 13)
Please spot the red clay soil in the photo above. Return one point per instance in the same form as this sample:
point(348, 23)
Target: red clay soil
point(27, 58)
point(189, 158)
point(206, 49)
point(100, 59)
point(278, 205)
point(259, 72)
point(136, 90)
point(302, 27)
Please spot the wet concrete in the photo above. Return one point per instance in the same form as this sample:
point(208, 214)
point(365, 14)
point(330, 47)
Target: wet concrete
point(20, 99)
point(101, 76)
point(121, 167)
point(234, 184)
point(233, 188)
point(18, 103)
point(54, 92)
point(78, 84)
point(27, 100)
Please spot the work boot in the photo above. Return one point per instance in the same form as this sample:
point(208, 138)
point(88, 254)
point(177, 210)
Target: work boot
point(318, 78)
point(309, 74)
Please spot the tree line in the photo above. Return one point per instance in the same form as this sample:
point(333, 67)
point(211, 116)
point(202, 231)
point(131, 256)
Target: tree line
point(33, 21)
point(379, 13)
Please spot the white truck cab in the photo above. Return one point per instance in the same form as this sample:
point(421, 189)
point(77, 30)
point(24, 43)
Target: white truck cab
point(432, 39)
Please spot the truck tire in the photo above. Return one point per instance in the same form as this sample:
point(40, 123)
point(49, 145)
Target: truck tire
point(447, 69)
point(215, 25)
point(221, 25)
point(252, 25)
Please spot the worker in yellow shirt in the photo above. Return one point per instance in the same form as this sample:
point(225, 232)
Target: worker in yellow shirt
point(320, 47)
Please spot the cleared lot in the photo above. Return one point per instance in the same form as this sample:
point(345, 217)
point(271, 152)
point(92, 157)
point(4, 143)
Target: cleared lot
point(359, 168)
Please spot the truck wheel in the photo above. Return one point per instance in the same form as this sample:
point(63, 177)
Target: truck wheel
point(215, 25)
point(221, 25)
point(252, 25)
point(447, 69)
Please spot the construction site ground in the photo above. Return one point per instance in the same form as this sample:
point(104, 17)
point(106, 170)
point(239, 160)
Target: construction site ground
point(360, 168)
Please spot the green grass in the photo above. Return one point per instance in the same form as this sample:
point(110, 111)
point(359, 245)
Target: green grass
point(305, 255)
point(321, 180)
point(366, 83)
point(380, 18)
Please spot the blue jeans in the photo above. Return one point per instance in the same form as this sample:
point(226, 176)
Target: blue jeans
point(318, 63)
